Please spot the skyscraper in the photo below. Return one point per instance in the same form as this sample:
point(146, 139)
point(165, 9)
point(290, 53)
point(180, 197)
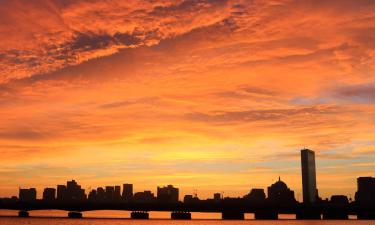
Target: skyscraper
point(61, 193)
point(27, 195)
point(308, 176)
point(365, 190)
point(117, 193)
point(49, 194)
point(167, 194)
point(109, 193)
point(127, 192)
point(74, 191)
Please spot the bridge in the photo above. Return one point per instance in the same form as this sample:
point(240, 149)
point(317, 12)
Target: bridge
point(228, 210)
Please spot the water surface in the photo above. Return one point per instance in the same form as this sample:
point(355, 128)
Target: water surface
point(96, 221)
point(116, 217)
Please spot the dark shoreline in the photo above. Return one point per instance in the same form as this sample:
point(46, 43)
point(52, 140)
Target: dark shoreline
point(119, 218)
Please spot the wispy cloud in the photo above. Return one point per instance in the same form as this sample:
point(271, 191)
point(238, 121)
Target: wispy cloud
point(255, 115)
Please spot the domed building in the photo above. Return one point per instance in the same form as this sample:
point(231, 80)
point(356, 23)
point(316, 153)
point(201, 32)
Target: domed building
point(280, 193)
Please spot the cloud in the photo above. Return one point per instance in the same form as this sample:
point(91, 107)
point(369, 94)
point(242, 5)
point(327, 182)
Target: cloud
point(255, 115)
point(129, 102)
point(76, 32)
point(249, 92)
point(360, 93)
point(260, 91)
point(22, 133)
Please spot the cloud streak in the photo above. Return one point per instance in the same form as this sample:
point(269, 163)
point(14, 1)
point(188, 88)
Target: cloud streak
point(255, 115)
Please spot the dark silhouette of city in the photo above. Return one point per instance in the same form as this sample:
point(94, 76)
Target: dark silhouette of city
point(280, 199)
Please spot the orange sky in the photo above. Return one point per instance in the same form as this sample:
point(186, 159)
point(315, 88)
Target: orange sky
point(213, 95)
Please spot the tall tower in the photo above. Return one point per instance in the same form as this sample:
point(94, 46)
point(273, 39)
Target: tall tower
point(127, 192)
point(308, 176)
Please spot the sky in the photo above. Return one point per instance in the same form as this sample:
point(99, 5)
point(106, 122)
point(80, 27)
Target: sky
point(207, 95)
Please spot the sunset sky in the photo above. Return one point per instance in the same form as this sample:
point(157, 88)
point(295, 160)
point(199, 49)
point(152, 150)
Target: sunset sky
point(212, 95)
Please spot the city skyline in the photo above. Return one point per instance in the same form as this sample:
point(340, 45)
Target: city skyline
point(225, 192)
point(279, 199)
point(74, 192)
point(215, 94)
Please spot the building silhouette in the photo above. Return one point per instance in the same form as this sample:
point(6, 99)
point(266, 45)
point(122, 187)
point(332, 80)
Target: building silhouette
point(93, 196)
point(27, 195)
point(49, 194)
point(280, 193)
point(217, 197)
point(109, 193)
point(61, 193)
point(191, 199)
point(309, 189)
point(256, 195)
point(100, 194)
point(144, 197)
point(365, 194)
point(72, 192)
point(127, 192)
point(117, 193)
point(167, 194)
point(339, 199)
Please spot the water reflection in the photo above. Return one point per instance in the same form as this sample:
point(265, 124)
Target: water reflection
point(126, 214)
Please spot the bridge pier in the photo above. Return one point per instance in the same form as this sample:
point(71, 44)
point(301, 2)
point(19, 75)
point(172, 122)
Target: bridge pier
point(75, 215)
point(366, 215)
point(232, 215)
point(308, 215)
point(266, 215)
point(336, 215)
point(143, 215)
point(180, 215)
point(23, 213)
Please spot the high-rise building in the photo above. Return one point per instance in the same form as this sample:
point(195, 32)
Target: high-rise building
point(92, 195)
point(49, 194)
point(71, 192)
point(308, 176)
point(74, 191)
point(167, 194)
point(61, 193)
point(109, 193)
point(117, 194)
point(365, 190)
point(27, 195)
point(127, 192)
point(100, 194)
